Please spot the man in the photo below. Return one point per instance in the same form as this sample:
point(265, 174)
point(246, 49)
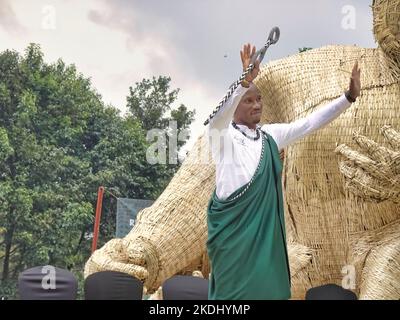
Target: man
point(246, 231)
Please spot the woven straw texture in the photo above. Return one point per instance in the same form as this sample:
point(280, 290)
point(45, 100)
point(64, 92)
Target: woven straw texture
point(331, 228)
point(386, 15)
point(322, 212)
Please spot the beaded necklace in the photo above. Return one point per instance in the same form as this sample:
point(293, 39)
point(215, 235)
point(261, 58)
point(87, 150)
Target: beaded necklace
point(245, 134)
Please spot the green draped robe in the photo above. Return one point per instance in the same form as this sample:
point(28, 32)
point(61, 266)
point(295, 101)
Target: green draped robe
point(246, 236)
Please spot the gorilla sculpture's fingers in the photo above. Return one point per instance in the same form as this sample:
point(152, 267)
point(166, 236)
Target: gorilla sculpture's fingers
point(363, 161)
point(392, 136)
point(347, 169)
point(395, 164)
point(358, 181)
point(376, 151)
point(363, 185)
point(113, 256)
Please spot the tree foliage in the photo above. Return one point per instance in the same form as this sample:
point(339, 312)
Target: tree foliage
point(58, 144)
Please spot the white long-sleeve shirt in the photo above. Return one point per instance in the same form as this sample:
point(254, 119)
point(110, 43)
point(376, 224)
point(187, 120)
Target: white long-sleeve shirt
point(236, 157)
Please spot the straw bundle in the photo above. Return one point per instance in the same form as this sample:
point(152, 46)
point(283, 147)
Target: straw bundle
point(329, 226)
point(375, 176)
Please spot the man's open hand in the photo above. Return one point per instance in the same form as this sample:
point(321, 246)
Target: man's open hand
point(355, 83)
point(246, 54)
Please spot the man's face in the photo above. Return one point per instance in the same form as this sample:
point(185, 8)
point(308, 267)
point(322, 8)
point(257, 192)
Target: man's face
point(248, 112)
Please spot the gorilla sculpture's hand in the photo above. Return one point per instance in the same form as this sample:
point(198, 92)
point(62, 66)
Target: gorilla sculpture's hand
point(374, 175)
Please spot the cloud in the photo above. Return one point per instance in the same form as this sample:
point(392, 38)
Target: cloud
point(202, 38)
point(8, 19)
point(147, 39)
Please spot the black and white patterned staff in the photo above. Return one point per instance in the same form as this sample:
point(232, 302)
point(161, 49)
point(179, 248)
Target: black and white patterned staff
point(272, 39)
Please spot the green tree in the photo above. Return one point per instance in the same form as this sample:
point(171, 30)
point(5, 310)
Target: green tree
point(151, 103)
point(151, 100)
point(43, 114)
point(58, 143)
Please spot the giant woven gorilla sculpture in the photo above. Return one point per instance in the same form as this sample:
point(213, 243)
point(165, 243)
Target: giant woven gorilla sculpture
point(341, 184)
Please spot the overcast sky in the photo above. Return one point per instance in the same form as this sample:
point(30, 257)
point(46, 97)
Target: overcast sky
point(195, 42)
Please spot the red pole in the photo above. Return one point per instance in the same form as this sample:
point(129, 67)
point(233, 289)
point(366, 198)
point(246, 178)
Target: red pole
point(100, 194)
